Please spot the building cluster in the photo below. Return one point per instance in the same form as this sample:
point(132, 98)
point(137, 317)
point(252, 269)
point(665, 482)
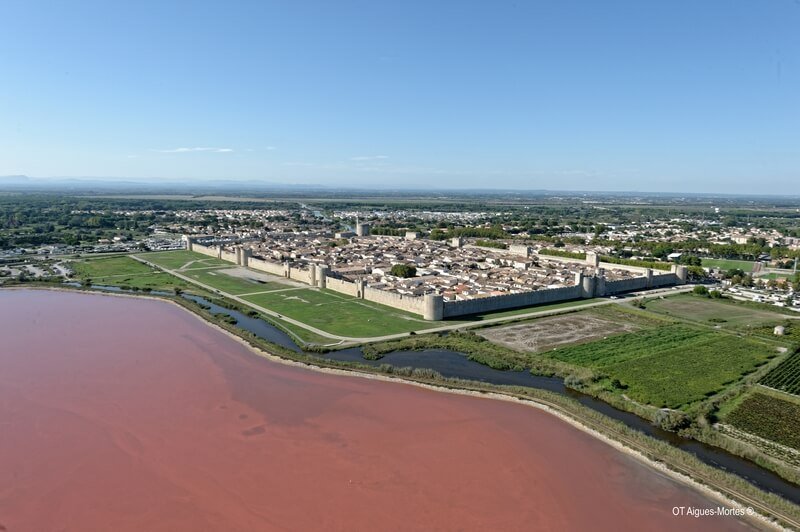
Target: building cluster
point(454, 269)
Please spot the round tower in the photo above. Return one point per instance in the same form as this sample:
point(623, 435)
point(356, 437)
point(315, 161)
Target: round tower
point(322, 274)
point(434, 307)
point(588, 286)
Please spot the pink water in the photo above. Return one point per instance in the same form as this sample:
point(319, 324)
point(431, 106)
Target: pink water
point(131, 414)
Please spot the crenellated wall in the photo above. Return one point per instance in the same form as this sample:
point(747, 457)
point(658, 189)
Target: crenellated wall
point(433, 307)
point(303, 276)
point(413, 304)
point(206, 250)
point(625, 285)
point(666, 279)
point(342, 286)
point(524, 299)
point(265, 266)
point(228, 256)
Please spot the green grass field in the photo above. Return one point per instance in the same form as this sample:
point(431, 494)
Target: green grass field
point(339, 314)
point(729, 264)
point(231, 284)
point(769, 416)
point(109, 266)
point(726, 314)
point(124, 271)
point(672, 365)
point(172, 260)
point(775, 275)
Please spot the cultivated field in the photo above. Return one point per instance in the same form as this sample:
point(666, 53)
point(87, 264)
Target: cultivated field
point(729, 264)
point(726, 314)
point(546, 333)
point(785, 376)
point(672, 365)
point(769, 416)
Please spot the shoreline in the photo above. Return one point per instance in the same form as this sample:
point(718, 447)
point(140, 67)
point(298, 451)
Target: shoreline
point(750, 514)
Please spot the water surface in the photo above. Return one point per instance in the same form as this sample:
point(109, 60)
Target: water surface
point(132, 414)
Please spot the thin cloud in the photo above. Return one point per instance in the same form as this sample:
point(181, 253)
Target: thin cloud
point(369, 157)
point(189, 150)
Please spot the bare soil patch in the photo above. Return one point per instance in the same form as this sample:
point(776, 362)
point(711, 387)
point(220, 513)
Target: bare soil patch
point(546, 333)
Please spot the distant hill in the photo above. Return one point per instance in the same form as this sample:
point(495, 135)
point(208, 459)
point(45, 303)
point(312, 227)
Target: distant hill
point(14, 179)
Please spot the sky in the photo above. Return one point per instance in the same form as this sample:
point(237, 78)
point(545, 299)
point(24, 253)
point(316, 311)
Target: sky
point(670, 95)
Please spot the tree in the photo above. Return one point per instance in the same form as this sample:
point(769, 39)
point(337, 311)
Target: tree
point(696, 273)
point(403, 270)
point(700, 290)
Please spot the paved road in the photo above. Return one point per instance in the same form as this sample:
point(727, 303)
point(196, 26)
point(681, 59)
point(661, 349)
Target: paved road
point(349, 340)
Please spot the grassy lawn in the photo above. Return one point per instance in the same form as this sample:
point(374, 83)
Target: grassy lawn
point(109, 266)
point(726, 314)
point(729, 264)
point(338, 314)
point(775, 275)
point(304, 334)
point(231, 284)
point(172, 260)
point(124, 271)
point(672, 365)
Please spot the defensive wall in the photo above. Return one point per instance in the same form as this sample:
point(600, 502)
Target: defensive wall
point(408, 303)
point(267, 267)
point(525, 299)
point(432, 306)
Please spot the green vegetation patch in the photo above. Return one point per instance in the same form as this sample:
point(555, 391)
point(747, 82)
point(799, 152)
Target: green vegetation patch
point(656, 265)
point(105, 267)
point(628, 346)
point(173, 260)
point(729, 264)
point(339, 314)
point(727, 314)
point(670, 366)
point(562, 253)
point(770, 417)
point(786, 375)
point(775, 276)
point(125, 272)
point(219, 279)
point(698, 369)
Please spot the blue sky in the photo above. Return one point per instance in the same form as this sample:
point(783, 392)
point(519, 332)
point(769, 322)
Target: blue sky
point(675, 95)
